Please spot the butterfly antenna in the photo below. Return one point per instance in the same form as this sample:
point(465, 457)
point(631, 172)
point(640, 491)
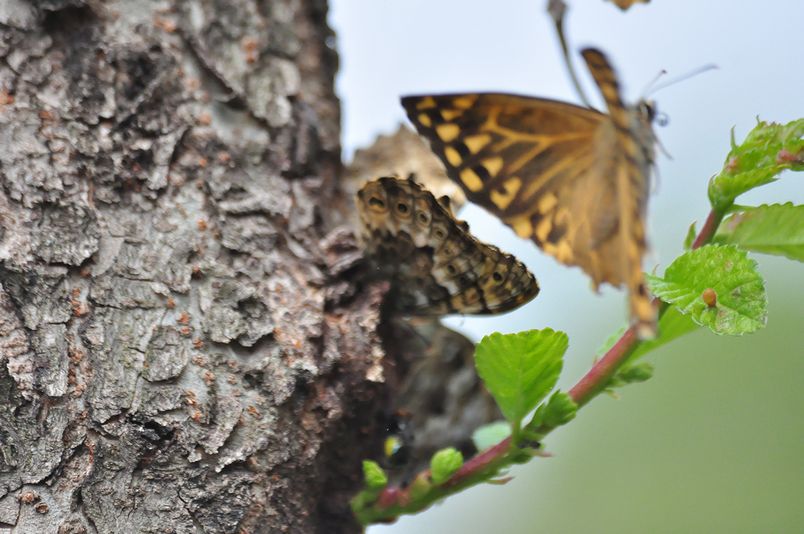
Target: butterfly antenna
point(673, 81)
point(557, 9)
point(649, 87)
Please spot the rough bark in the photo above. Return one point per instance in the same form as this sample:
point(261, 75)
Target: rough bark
point(181, 346)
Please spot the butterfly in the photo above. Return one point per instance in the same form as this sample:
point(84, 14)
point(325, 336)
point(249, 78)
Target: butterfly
point(572, 179)
point(435, 265)
point(625, 4)
point(439, 402)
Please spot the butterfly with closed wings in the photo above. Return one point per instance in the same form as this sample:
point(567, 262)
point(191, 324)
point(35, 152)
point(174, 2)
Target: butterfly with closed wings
point(572, 179)
point(435, 265)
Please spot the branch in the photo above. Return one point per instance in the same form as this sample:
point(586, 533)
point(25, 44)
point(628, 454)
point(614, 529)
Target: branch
point(709, 229)
point(598, 376)
point(393, 501)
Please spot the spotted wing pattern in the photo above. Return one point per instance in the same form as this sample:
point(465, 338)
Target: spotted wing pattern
point(437, 267)
point(572, 179)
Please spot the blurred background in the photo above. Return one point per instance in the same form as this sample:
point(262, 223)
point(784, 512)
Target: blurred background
point(715, 441)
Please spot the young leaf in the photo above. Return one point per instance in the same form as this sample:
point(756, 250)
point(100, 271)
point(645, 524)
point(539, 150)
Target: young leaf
point(420, 486)
point(767, 150)
point(373, 474)
point(770, 229)
point(559, 410)
point(520, 369)
point(689, 239)
point(630, 374)
point(718, 287)
point(444, 463)
point(490, 434)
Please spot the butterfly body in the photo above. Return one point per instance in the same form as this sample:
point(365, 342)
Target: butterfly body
point(572, 179)
point(437, 267)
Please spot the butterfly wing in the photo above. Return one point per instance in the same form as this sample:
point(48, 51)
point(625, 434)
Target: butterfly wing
point(440, 402)
point(552, 171)
point(630, 163)
point(540, 165)
point(436, 265)
point(492, 144)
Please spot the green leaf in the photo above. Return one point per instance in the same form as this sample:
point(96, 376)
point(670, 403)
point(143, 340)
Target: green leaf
point(491, 434)
point(767, 150)
point(690, 237)
point(738, 305)
point(559, 410)
point(444, 463)
point(373, 474)
point(638, 372)
point(420, 486)
point(520, 369)
point(630, 374)
point(770, 229)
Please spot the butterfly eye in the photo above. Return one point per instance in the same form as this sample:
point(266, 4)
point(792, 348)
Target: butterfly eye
point(376, 202)
point(648, 110)
point(662, 119)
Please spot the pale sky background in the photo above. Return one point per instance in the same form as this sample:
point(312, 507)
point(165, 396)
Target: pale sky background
point(390, 48)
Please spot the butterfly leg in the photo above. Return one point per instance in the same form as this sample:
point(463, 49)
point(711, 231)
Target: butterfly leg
point(557, 9)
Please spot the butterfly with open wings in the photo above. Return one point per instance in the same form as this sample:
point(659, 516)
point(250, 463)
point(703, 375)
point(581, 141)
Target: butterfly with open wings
point(572, 179)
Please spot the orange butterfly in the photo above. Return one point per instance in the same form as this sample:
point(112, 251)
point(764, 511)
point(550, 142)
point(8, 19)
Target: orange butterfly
point(572, 179)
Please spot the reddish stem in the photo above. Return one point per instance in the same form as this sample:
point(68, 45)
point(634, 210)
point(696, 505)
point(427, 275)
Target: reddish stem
point(597, 377)
point(708, 230)
point(585, 390)
point(480, 461)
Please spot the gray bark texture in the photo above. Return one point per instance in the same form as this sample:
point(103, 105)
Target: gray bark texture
point(182, 347)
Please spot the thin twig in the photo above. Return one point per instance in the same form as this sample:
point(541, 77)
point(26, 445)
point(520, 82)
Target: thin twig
point(486, 463)
point(600, 373)
point(479, 462)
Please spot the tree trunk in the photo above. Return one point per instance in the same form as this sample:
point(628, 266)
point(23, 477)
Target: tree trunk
point(180, 347)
